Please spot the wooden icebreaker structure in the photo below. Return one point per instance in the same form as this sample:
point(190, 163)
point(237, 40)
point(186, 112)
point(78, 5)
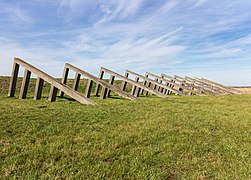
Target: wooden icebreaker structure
point(160, 85)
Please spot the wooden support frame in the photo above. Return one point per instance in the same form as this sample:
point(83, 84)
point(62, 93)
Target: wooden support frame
point(155, 83)
point(168, 83)
point(206, 87)
point(130, 81)
point(99, 83)
point(193, 85)
point(173, 84)
point(55, 85)
point(182, 84)
point(225, 88)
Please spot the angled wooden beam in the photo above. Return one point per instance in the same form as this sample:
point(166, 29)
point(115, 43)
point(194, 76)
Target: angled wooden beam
point(166, 76)
point(100, 82)
point(133, 82)
point(54, 83)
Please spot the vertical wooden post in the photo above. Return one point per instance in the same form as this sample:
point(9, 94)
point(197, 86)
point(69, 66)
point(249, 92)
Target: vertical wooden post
point(76, 81)
point(165, 90)
point(149, 85)
point(111, 81)
point(144, 83)
point(53, 94)
point(160, 88)
point(64, 80)
point(137, 92)
point(104, 92)
point(155, 85)
point(38, 88)
point(134, 87)
point(124, 83)
point(13, 80)
point(173, 84)
point(25, 84)
point(88, 88)
point(101, 74)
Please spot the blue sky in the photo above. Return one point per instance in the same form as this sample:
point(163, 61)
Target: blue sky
point(199, 38)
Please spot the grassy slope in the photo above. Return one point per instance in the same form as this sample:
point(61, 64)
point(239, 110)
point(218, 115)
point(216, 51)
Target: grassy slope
point(179, 137)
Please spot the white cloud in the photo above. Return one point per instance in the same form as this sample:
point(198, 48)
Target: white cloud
point(119, 9)
point(189, 35)
point(15, 14)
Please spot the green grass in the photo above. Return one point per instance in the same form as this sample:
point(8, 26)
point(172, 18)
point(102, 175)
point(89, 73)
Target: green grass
point(176, 138)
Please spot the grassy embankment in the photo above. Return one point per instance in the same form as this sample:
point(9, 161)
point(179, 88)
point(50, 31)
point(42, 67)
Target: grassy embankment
point(152, 138)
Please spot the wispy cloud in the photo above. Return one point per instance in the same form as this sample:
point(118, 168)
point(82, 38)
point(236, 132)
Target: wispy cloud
point(13, 13)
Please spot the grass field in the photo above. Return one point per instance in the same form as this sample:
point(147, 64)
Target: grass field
point(152, 138)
